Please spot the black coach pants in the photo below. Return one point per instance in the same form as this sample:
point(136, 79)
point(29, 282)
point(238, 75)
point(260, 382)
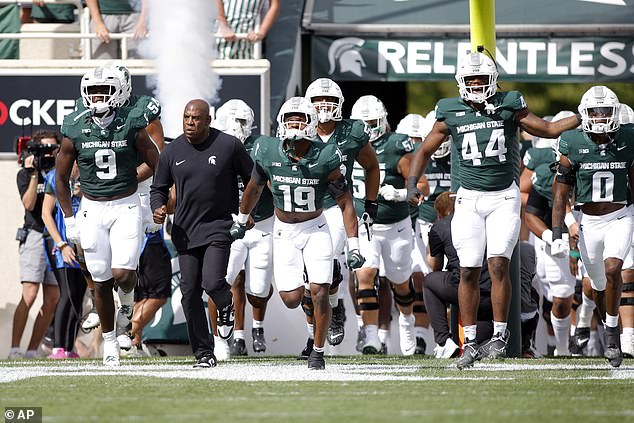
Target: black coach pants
point(203, 268)
point(439, 292)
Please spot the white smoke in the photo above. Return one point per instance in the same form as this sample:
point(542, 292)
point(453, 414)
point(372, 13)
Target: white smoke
point(182, 45)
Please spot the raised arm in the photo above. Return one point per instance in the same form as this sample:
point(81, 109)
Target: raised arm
point(535, 125)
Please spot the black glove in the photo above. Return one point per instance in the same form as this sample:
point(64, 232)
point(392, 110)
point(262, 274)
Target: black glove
point(371, 207)
point(413, 193)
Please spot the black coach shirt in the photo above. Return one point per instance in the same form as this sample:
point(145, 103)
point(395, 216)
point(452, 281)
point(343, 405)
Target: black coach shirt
point(206, 180)
point(32, 218)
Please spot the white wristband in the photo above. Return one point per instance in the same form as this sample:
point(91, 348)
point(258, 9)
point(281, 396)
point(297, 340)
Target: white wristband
point(570, 220)
point(547, 236)
point(353, 243)
point(242, 218)
point(401, 194)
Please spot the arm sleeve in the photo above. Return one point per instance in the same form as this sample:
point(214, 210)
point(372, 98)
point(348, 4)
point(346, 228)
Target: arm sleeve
point(258, 174)
point(159, 191)
point(537, 204)
point(436, 246)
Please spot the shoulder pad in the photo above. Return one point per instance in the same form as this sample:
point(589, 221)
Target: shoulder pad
point(513, 100)
point(148, 105)
point(74, 122)
point(355, 129)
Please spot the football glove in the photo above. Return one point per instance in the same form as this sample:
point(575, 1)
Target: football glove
point(558, 248)
point(414, 195)
point(72, 230)
point(354, 259)
point(392, 194)
point(237, 230)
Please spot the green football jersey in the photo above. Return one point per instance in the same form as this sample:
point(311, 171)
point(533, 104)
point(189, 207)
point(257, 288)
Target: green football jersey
point(539, 160)
point(438, 174)
point(107, 158)
point(264, 208)
point(600, 170)
point(350, 137)
point(298, 186)
point(486, 144)
point(389, 149)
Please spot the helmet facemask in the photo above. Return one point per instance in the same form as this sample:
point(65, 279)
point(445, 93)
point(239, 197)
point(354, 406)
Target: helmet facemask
point(297, 120)
point(101, 90)
point(327, 98)
point(599, 109)
point(473, 66)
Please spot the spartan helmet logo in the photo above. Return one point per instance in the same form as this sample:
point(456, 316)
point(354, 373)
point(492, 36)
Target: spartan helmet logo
point(346, 52)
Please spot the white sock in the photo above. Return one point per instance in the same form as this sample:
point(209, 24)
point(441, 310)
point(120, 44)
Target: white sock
point(470, 332)
point(499, 328)
point(126, 298)
point(258, 324)
point(238, 334)
point(419, 331)
point(611, 321)
point(311, 330)
point(551, 340)
point(333, 299)
point(359, 321)
point(561, 327)
point(584, 312)
point(110, 336)
point(318, 349)
point(14, 350)
point(372, 330)
point(383, 335)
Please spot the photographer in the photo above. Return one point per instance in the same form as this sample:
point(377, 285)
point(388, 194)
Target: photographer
point(39, 158)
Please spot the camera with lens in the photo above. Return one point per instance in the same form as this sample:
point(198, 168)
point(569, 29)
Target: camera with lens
point(43, 155)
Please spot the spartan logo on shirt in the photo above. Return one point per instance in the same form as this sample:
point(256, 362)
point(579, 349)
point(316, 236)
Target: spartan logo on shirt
point(212, 160)
point(346, 52)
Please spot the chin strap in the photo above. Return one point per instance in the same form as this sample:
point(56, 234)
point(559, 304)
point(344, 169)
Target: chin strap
point(103, 122)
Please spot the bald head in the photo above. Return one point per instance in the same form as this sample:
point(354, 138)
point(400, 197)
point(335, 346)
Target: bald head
point(196, 121)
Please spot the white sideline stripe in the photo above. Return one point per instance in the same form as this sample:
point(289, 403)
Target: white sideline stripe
point(284, 372)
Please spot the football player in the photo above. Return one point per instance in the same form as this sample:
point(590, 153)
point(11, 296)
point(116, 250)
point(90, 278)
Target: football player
point(301, 171)
point(350, 137)
point(553, 271)
point(436, 180)
point(483, 125)
point(391, 239)
point(597, 162)
point(251, 258)
point(105, 139)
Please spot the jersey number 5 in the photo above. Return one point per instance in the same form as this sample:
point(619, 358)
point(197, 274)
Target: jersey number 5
point(106, 159)
point(495, 148)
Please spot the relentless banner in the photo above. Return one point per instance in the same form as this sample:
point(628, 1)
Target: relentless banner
point(587, 59)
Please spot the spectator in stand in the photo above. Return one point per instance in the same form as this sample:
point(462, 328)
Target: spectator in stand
point(33, 268)
point(52, 13)
point(63, 258)
point(118, 16)
point(241, 17)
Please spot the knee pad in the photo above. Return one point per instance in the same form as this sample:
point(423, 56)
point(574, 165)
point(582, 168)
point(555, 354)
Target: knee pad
point(627, 301)
point(307, 305)
point(99, 270)
point(370, 296)
point(628, 287)
point(407, 299)
point(547, 307)
point(418, 298)
point(337, 277)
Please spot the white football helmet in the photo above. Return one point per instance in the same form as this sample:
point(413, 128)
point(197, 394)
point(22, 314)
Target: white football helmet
point(475, 64)
point(627, 114)
point(124, 77)
point(113, 97)
point(326, 110)
point(414, 126)
point(235, 118)
point(368, 108)
point(294, 130)
point(602, 101)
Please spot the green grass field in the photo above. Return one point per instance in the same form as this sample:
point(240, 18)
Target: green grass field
point(351, 389)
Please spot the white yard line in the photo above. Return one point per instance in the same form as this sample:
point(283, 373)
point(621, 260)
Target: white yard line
point(254, 372)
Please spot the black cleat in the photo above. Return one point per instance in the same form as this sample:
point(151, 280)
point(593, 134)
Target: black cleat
point(259, 343)
point(307, 350)
point(316, 361)
point(495, 347)
point(207, 361)
point(421, 346)
point(578, 341)
point(383, 350)
point(612, 350)
point(238, 348)
point(336, 330)
point(225, 321)
point(470, 354)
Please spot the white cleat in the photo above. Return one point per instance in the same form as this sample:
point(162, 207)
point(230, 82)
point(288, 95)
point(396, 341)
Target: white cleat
point(449, 350)
point(111, 354)
point(221, 349)
point(627, 345)
point(372, 343)
point(124, 340)
point(91, 321)
point(406, 333)
point(124, 316)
